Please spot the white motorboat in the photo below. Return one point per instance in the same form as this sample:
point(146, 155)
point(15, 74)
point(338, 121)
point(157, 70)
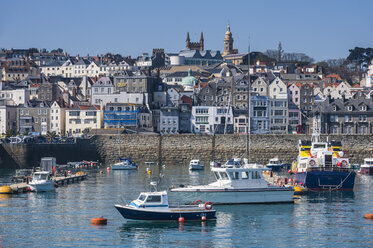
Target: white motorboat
point(276, 164)
point(41, 182)
point(236, 186)
point(124, 164)
point(367, 167)
point(195, 164)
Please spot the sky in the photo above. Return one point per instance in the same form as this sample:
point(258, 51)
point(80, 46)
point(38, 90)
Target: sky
point(322, 29)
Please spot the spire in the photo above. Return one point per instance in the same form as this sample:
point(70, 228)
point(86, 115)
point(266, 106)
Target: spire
point(228, 27)
point(201, 36)
point(188, 39)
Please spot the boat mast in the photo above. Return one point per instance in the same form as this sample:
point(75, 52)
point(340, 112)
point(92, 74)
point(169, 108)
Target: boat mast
point(118, 139)
point(248, 107)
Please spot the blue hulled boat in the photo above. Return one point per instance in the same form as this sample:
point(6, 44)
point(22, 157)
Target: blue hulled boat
point(322, 166)
point(154, 206)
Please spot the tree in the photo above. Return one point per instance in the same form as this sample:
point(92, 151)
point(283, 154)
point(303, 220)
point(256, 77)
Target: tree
point(360, 58)
point(32, 50)
point(59, 50)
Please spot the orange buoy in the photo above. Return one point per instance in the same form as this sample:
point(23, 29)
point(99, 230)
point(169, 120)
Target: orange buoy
point(99, 221)
point(368, 216)
point(203, 218)
point(181, 219)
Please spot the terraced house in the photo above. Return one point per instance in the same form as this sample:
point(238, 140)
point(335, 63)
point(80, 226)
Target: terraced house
point(345, 116)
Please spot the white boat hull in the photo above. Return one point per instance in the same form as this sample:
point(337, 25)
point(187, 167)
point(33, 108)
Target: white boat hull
point(121, 167)
point(236, 197)
point(42, 187)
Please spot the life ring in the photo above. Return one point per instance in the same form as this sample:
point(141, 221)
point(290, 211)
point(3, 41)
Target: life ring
point(344, 162)
point(279, 182)
point(208, 205)
point(312, 162)
point(197, 202)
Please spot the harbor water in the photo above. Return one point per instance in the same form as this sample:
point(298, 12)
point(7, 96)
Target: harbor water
point(63, 218)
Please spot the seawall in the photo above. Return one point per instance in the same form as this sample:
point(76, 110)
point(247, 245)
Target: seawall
point(175, 149)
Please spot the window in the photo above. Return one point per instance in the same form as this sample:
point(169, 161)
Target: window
point(334, 118)
point(78, 121)
point(349, 108)
point(153, 198)
point(45, 111)
point(348, 118)
point(202, 111)
point(39, 111)
point(363, 108)
point(21, 111)
point(86, 121)
point(362, 118)
point(36, 119)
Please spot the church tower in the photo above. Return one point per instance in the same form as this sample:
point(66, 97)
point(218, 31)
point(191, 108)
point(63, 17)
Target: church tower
point(228, 42)
point(195, 45)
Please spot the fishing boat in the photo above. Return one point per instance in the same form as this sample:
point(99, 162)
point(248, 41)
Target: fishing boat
point(322, 166)
point(367, 167)
point(41, 182)
point(275, 164)
point(242, 185)
point(195, 164)
point(154, 206)
point(124, 164)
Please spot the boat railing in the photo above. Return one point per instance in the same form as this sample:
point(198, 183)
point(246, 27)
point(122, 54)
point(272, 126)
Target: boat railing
point(328, 169)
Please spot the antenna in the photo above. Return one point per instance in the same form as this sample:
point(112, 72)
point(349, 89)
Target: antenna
point(248, 126)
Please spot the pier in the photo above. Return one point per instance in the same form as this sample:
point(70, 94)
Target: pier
point(19, 188)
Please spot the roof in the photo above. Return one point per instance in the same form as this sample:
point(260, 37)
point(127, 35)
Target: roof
point(85, 107)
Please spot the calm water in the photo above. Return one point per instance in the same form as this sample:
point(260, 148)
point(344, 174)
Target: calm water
point(63, 218)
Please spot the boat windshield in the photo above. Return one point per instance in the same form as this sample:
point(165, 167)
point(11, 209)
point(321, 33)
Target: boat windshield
point(40, 176)
point(216, 175)
point(224, 176)
point(369, 162)
point(154, 198)
point(317, 146)
point(142, 197)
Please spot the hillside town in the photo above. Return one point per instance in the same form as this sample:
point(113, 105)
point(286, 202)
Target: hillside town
point(193, 91)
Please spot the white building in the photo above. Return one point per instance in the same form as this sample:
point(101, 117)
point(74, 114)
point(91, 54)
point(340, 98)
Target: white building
point(15, 96)
point(211, 119)
point(8, 119)
point(80, 118)
point(169, 120)
point(57, 119)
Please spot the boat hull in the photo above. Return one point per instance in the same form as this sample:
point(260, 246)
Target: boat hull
point(196, 167)
point(366, 170)
point(42, 187)
point(326, 180)
point(152, 215)
point(279, 195)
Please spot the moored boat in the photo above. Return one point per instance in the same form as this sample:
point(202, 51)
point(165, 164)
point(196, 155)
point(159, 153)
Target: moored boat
point(124, 164)
point(322, 166)
point(154, 206)
point(236, 186)
point(275, 164)
point(195, 164)
point(42, 182)
point(367, 166)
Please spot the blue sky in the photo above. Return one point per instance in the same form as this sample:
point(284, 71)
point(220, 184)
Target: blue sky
point(322, 29)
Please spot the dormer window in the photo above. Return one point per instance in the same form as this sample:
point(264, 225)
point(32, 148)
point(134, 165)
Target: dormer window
point(363, 108)
point(349, 108)
point(334, 108)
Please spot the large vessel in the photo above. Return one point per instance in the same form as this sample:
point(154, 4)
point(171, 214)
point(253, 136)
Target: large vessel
point(41, 182)
point(367, 167)
point(322, 166)
point(236, 186)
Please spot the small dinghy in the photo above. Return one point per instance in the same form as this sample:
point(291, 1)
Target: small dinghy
point(153, 206)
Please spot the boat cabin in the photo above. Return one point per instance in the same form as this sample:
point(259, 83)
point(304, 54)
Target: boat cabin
point(41, 176)
point(275, 161)
point(195, 162)
point(151, 199)
point(239, 177)
point(368, 161)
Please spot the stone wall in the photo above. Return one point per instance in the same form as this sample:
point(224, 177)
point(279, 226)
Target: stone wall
point(176, 149)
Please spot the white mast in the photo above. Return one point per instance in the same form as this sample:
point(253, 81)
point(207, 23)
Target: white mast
point(248, 107)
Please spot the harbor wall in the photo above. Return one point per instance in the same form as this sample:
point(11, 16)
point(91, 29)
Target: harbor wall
point(175, 149)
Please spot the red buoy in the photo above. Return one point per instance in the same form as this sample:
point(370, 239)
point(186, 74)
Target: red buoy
point(99, 221)
point(368, 216)
point(181, 219)
point(203, 218)
point(108, 168)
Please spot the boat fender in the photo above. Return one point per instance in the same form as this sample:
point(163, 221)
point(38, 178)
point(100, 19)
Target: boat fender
point(181, 219)
point(208, 205)
point(143, 206)
point(279, 182)
point(197, 202)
